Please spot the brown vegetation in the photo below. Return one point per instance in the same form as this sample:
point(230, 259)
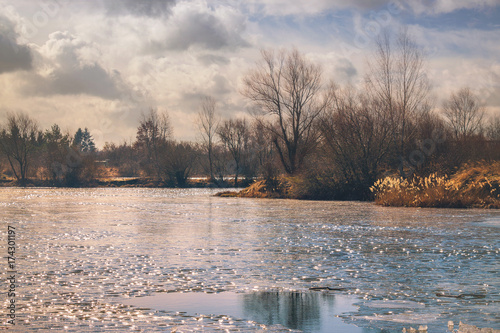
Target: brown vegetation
point(476, 185)
point(261, 189)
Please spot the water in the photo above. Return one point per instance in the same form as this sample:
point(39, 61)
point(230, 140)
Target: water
point(309, 312)
point(87, 258)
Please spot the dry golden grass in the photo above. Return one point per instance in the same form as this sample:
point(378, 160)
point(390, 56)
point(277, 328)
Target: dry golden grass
point(475, 185)
point(259, 189)
point(283, 187)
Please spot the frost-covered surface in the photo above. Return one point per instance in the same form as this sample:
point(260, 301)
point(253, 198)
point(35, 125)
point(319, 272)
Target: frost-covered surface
point(81, 251)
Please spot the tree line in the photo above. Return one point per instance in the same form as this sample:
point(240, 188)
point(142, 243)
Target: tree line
point(338, 140)
point(229, 147)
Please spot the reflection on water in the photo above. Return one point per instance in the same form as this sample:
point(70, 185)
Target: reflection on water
point(308, 312)
point(82, 251)
point(304, 311)
point(293, 310)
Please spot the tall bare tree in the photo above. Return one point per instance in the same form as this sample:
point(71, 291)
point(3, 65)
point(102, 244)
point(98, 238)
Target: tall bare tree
point(398, 80)
point(208, 122)
point(235, 135)
point(286, 87)
point(19, 140)
point(152, 134)
point(464, 113)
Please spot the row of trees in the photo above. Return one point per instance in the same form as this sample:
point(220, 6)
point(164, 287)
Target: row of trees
point(230, 147)
point(340, 140)
point(33, 153)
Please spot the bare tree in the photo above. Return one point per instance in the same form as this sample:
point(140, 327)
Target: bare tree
point(356, 138)
point(287, 88)
point(235, 135)
point(464, 113)
point(208, 122)
point(178, 162)
point(493, 129)
point(153, 132)
point(123, 157)
point(397, 79)
point(19, 140)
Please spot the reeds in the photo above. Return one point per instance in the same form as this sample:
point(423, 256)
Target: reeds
point(476, 185)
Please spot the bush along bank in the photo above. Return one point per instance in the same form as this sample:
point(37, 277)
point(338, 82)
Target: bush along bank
point(472, 186)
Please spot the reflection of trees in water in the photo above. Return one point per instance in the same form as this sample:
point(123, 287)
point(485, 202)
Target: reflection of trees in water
point(291, 309)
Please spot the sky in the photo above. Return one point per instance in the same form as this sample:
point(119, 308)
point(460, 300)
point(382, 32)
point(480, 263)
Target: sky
point(101, 64)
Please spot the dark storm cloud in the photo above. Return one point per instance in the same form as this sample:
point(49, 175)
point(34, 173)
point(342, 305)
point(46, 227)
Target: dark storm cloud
point(153, 8)
point(13, 56)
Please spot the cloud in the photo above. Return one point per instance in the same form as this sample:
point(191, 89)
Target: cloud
point(100, 63)
point(315, 7)
point(209, 59)
point(13, 56)
point(194, 24)
point(445, 6)
point(345, 70)
point(69, 66)
point(153, 8)
point(312, 7)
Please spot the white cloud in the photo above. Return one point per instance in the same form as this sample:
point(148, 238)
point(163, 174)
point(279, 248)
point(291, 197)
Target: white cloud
point(69, 65)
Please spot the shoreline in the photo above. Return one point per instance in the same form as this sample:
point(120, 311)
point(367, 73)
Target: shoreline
point(261, 189)
point(285, 188)
point(131, 182)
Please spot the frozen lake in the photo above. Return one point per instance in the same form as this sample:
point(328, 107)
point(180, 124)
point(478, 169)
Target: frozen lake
point(129, 259)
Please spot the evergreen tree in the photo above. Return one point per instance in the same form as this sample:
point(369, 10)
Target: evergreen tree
point(83, 141)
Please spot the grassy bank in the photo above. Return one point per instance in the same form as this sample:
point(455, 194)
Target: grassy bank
point(473, 186)
point(295, 187)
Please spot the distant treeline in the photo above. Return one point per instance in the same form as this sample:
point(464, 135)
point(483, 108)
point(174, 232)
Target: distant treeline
point(337, 140)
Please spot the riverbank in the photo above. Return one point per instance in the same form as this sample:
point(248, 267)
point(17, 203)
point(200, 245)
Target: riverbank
point(472, 186)
point(122, 182)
